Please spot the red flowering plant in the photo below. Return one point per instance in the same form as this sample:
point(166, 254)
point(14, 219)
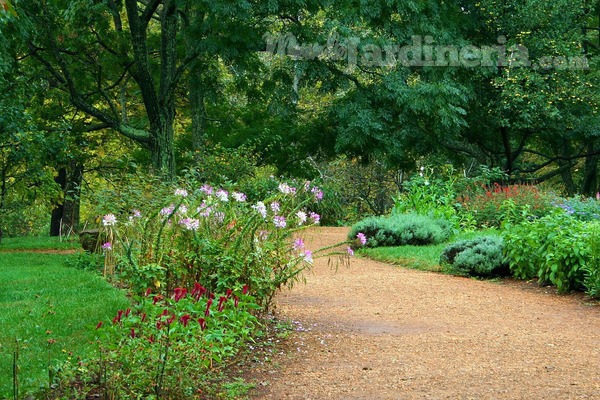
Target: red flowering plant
point(492, 205)
point(164, 345)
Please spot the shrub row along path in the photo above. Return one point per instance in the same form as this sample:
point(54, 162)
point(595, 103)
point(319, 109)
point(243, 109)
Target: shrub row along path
point(375, 331)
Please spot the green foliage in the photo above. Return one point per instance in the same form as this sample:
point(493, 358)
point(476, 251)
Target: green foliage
point(402, 229)
point(433, 192)
point(555, 249)
point(86, 261)
point(481, 257)
point(592, 268)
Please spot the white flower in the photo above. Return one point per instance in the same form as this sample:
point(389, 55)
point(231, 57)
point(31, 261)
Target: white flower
point(191, 224)
point(286, 189)
point(279, 221)
point(308, 256)
point(261, 209)
point(241, 197)
point(109, 220)
point(301, 217)
point(181, 192)
point(222, 195)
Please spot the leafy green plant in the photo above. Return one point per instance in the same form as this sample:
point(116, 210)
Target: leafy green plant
point(555, 249)
point(402, 229)
point(592, 268)
point(481, 256)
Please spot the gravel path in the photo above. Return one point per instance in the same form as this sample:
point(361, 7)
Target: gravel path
point(373, 331)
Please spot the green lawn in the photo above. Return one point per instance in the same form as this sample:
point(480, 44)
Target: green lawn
point(50, 312)
point(419, 257)
point(38, 243)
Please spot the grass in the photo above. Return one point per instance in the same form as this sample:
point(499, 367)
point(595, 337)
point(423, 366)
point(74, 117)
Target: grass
point(424, 258)
point(38, 243)
point(48, 312)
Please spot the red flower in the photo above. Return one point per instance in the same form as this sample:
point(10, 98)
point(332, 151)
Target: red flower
point(185, 319)
point(132, 333)
point(117, 319)
point(148, 291)
point(229, 293)
point(171, 319)
point(143, 317)
point(157, 298)
point(236, 301)
point(202, 323)
point(245, 289)
point(127, 312)
point(198, 291)
point(179, 294)
point(158, 325)
point(99, 325)
point(221, 304)
point(151, 339)
point(208, 304)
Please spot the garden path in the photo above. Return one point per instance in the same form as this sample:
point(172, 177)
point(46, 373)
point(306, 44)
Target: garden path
point(373, 331)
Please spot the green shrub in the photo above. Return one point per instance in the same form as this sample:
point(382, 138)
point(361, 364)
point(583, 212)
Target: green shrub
point(402, 229)
point(482, 257)
point(555, 249)
point(433, 192)
point(592, 268)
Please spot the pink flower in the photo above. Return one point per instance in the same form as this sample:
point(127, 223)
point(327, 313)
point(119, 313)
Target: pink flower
point(191, 224)
point(362, 238)
point(279, 221)
point(350, 251)
point(207, 189)
point(318, 193)
point(308, 256)
point(181, 192)
point(298, 244)
point(239, 197)
point(107, 246)
point(167, 210)
point(275, 206)
point(315, 217)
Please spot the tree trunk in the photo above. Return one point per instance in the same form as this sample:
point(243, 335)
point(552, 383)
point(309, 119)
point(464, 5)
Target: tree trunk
point(589, 185)
point(57, 211)
point(162, 150)
point(65, 216)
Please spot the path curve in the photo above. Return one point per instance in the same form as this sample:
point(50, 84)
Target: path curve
point(373, 331)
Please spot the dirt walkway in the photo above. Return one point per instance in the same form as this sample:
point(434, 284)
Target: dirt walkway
point(373, 331)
